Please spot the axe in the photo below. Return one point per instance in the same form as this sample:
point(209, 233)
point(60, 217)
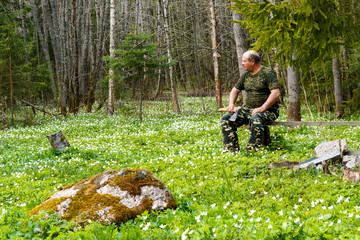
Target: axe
point(235, 114)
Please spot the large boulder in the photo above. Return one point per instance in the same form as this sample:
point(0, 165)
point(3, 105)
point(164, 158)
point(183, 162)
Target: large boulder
point(110, 197)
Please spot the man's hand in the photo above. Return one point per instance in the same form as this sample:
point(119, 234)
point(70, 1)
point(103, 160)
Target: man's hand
point(273, 97)
point(257, 110)
point(231, 108)
point(232, 98)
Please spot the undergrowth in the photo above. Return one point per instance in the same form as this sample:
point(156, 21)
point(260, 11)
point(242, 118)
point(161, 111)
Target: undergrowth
point(219, 195)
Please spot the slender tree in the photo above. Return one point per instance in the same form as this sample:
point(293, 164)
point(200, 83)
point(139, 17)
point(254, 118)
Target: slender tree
point(216, 54)
point(164, 10)
point(339, 109)
point(242, 44)
point(294, 106)
point(110, 106)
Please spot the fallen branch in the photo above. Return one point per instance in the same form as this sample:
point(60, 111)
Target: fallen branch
point(39, 109)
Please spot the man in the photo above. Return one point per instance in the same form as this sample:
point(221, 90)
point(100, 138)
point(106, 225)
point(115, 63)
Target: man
point(260, 109)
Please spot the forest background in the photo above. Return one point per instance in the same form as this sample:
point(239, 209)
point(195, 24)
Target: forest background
point(152, 74)
point(53, 53)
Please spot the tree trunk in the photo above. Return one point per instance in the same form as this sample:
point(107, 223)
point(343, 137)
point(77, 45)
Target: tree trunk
point(164, 9)
point(74, 102)
point(24, 30)
point(90, 99)
point(240, 40)
point(110, 106)
point(339, 109)
point(52, 21)
point(241, 45)
point(84, 58)
point(11, 86)
point(125, 16)
point(196, 54)
point(293, 111)
point(159, 26)
point(215, 54)
point(44, 47)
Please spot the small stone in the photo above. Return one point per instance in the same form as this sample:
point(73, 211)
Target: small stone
point(351, 164)
point(348, 158)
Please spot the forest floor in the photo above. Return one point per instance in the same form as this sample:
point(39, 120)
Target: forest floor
point(219, 195)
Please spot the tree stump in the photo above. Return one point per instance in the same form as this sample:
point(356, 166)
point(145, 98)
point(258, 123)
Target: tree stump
point(58, 141)
point(351, 175)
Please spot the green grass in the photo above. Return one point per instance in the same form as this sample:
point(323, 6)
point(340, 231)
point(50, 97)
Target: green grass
point(220, 195)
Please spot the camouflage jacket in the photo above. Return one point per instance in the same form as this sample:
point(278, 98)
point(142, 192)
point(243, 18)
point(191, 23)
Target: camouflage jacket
point(258, 87)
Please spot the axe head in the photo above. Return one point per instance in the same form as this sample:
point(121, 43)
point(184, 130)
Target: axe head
point(235, 114)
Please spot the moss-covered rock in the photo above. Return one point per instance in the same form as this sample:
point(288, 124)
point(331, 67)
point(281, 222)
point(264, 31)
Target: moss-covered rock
point(110, 197)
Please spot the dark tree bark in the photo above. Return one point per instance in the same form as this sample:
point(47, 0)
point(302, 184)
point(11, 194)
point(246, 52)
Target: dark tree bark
point(44, 46)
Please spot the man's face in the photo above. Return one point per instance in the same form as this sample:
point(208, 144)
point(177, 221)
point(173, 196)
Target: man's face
point(248, 66)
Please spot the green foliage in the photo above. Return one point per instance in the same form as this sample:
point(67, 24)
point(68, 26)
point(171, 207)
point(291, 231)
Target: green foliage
point(29, 75)
point(136, 57)
point(219, 195)
point(315, 29)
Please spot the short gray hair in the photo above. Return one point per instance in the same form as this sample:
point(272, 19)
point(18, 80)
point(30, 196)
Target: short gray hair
point(252, 55)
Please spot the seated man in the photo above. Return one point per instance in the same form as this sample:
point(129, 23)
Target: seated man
point(261, 108)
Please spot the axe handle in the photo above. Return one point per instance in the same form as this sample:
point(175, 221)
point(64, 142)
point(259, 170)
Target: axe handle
point(225, 109)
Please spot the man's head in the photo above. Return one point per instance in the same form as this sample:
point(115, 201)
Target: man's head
point(251, 61)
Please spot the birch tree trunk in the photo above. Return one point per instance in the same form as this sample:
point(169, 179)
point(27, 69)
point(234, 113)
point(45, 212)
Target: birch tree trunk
point(293, 111)
point(158, 26)
point(339, 109)
point(164, 9)
point(215, 54)
point(110, 106)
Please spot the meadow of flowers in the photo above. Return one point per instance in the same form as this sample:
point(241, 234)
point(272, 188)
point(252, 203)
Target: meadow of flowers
point(219, 195)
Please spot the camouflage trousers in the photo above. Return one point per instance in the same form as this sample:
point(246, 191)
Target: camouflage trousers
point(259, 132)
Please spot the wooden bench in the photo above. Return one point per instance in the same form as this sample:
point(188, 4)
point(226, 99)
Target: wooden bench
point(310, 123)
point(301, 123)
